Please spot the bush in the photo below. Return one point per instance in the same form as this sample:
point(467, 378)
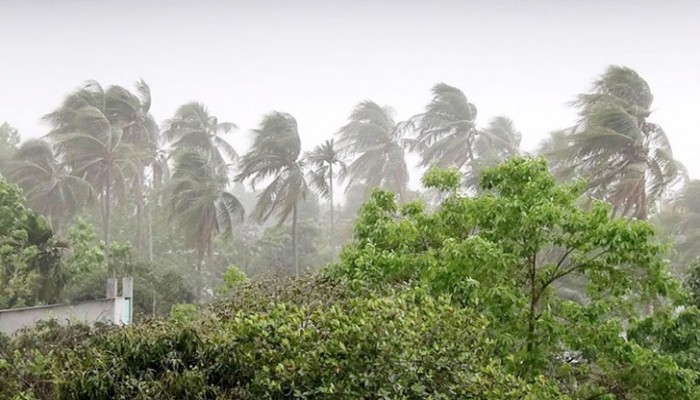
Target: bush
point(407, 345)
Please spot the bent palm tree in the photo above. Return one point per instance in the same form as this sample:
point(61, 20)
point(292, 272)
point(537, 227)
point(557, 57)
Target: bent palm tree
point(198, 202)
point(323, 158)
point(193, 127)
point(375, 138)
point(448, 136)
point(626, 159)
point(275, 155)
point(493, 145)
point(89, 137)
point(447, 129)
point(48, 185)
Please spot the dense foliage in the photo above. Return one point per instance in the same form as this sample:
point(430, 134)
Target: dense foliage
point(466, 301)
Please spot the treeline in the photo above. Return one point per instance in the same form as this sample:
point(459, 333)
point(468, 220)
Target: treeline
point(171, 200)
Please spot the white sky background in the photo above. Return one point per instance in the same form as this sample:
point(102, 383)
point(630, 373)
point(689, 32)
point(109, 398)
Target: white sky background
point(318, 59)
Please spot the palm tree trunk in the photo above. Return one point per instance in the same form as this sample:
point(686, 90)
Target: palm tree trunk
point(330, 182)
point(295, 242)
point(139, 213)
point(149, 220)
point(108, 214)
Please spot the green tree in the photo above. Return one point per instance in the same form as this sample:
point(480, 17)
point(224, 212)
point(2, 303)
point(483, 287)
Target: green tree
point(504, 252)
point(193, 127)
point(31, 271)
point(276, 154)
point(625, 158)
point(198, 202)
point(375, 139)
point(49, 186)
point(322, 159)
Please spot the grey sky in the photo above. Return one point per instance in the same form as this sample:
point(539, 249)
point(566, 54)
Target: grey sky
point(317, 59)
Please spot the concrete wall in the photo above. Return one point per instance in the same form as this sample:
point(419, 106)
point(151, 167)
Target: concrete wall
point(113, 309)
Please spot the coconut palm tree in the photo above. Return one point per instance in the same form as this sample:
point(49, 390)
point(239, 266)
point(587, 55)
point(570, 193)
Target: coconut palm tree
point(625, 159)
point(447, 129)
point(132, 111)
point(89, 136)
point(193, 127)
point(375, 138)
point(493, 145)
point(323, 158)
point(448, 136)
point(49, 187)
point(198, 202)
point(275, 154)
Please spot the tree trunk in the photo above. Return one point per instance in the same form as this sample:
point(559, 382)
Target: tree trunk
point(149, 219)
point(107, 214)
point(295, 241)
point(139, 213)
point(330, 181)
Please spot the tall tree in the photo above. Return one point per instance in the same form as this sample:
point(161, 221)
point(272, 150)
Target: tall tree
point(625, 158)
point(275, 155)
point(447, 129)
point(448, 136)
point(375, 138)
point(89, 133)
point(323, 158)
point(141, 131)
point(199, 203)
point(193, 127)
point(48, 185)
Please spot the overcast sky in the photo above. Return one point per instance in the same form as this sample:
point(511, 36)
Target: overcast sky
point(317, 59)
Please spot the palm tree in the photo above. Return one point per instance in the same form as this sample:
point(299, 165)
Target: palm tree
point(447, 129)
point(48, 185)
point(448, 136)
point(323, 158)
point(90, 139)
point(375, 138)
point(625, 159)
point(493, 145)
point(141, 131)
point(193, 126)
point(275, 155)
point(198, 202)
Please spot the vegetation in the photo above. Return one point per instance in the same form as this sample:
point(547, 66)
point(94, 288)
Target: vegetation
point(572, 274)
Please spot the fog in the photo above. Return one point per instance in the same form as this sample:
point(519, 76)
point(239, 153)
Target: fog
point(317, 59)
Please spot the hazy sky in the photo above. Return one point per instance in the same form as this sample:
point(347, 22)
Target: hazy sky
point(317, 59)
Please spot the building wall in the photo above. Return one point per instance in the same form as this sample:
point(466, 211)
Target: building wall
point(113, 309)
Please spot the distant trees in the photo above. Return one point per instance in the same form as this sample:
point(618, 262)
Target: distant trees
point(276, 155)
point(104, 144)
